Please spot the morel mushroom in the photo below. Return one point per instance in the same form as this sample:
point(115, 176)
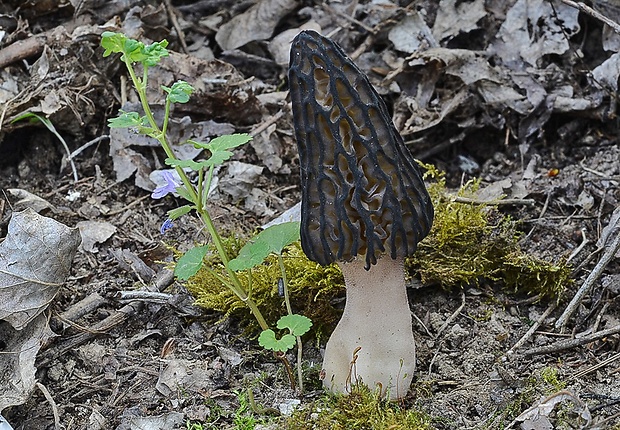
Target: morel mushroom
point(364, 206)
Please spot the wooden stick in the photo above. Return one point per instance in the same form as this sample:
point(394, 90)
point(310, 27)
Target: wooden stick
point(21, 50)
point(531, 331)
point(609, 254)
point(571, 343)
point(164, 279)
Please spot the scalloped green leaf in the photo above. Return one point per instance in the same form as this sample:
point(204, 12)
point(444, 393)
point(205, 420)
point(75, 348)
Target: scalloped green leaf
point(297, 324)
point(268, 340)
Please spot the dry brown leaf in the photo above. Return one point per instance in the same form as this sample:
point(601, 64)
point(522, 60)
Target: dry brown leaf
point(515, 43)
point(257, 23)
point(453, 19)
point(18, 357)
point(94, 232)
point(35, 259)
point(412, 34)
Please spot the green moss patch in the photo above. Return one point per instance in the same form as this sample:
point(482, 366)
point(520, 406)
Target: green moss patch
point(362, 409)
point(468, 243)
point(473, 242)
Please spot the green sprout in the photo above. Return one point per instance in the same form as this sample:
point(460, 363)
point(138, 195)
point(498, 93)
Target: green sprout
point(273, 240)
point(298, 325)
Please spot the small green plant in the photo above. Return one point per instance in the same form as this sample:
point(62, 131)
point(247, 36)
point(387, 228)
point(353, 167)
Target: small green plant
point(244, 418)
point(32, 117)
point(312, 288)
point(550, 376)
point(271, 240)
point(193, 426)
point(297, 325)
point(148, 56)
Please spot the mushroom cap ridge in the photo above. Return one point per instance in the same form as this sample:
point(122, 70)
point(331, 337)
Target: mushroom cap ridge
point(362, 191)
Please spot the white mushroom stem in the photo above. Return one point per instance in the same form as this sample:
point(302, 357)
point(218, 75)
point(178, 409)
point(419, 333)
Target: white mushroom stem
point(376, 327)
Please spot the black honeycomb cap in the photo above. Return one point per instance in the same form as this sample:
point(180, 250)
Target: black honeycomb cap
point(362, 190)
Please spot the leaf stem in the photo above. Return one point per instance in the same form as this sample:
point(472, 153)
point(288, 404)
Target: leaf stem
point(290, 312)
point(286, 296)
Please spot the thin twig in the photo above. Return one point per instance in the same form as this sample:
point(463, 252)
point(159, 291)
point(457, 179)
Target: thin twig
point(271, 120)
point(175, 23)
point(577, 250)
point(145, 296)
point(333, 11)
point(52, 403)
point(88, 144)
point(597, 173)
point(124, 208)
point(422, 324)
point(571, 343)
point(452, 317)
point(83, 307)
point(596, 366)
point(609, 254)
point(435, 355)
point(545, 206)
point(542, 212)
point(531, 330)
point(587, 9)
point(500, 202)
point(164, 279)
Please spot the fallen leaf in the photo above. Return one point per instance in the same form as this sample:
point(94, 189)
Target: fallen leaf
point(35, 260)
point(291, 214)
point(239, 179)
point(280, 45)
point(257, 23)
point(94, 232)
point(546, 405)
point(453, 19)
point(494, 191)
point(28, 200)
point(256, 202)
point(17, 377)
point(554, 25)
point(412, 34)
point(268, 148)
point(167, 421)
point(606, 75)
point(180, 376)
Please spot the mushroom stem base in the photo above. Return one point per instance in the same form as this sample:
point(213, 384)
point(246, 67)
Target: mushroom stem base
point(373, 342)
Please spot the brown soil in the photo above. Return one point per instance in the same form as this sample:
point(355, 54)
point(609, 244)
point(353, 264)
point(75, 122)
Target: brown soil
point(183, 363)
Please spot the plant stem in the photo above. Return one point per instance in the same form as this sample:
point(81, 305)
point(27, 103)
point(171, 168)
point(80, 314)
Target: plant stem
point(290, 312)
point(300, 379)
point(237, 288)
point(283, 271)
point(160, 135)
point(287, 366)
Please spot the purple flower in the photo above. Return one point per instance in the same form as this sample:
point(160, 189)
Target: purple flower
point(169, 187)
point(167, 225)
